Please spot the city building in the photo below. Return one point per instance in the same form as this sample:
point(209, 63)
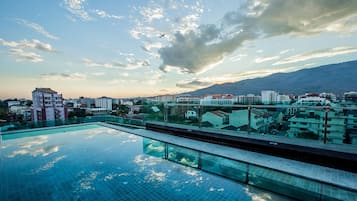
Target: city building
point(309, 122)
point(47, 105)
point(86, 102)
point(269, 97)
point(219, 99)
point(329, 96)
point(311, 100)
point(188, 99)
point(104, 102)
point(163, 98)
point(249, 99)
point(21, 110)
point(13, 102)
point(96, 111)
point(190, 114)
point(259, 120)
point(350, 96)
point(351, 126)
point(133, 109)
point(215, 118)
point(283, 99)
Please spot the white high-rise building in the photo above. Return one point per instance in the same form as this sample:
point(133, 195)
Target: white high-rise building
point(249, 99)
point(284, 99)
point(104, 102)
point(218, 99)
point(47, 105)
point(269, 97)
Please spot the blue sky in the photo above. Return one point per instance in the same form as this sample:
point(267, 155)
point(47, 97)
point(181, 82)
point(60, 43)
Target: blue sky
point(142, 48)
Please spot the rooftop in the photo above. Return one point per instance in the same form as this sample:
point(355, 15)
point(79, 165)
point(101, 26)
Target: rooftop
point(45, 90)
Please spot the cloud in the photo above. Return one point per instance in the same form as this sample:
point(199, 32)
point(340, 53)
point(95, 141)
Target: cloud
point(286, 51)
point(193, 84)
point(151, 14)
point(277, 17)
point(149, 46)
point(317, 54)
point(25, 55)
point(63, 76)
point(77, 9)
point(152, 77)
point(34, 44)
point(98, 73)
point(145, 31)
point(159, 21)
point(265, 59)
point(131, 63)
point(38, 28)
point(193, 52)
point(237, 57)
point(124, 74)
point(196, 83)
point(103, 14)
point(20, 49)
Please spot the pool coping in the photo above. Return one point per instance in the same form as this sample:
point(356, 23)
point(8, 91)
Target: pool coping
point(45, 128)
point(326, 175)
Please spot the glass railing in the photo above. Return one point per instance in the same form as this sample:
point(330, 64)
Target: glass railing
point(336, 125)
point(134, 123)
point(285, 183)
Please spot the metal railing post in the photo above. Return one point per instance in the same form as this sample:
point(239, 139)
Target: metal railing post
point(325, 124)
point(166, 113)
point(199, 117)
point(249, 118)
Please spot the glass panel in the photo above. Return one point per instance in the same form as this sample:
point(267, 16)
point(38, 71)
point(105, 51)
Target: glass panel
point(183, 155)
point(152, 112)
point(271, 120)
point(183, 114)
point(154, 148)
point(350, 136)
point(225, 167)
point(284, 183)
point(215, 116)
point(332, 193)
point(306, 123)
point(336, 127)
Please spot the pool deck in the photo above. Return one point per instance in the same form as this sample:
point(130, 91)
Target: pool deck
point(340, 178)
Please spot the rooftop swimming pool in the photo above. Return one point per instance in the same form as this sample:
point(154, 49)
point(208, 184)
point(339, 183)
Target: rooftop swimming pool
point(92, 162)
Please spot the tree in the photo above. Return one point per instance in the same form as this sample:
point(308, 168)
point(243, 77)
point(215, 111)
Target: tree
point(3, 110)
point(122, 110)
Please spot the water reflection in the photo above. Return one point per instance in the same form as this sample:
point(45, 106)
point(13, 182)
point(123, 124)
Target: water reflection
point(95, 165)
point(154, 176)
point(50, 164)
point(45, 151)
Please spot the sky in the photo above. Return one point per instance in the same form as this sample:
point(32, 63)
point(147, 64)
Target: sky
point(114, 48)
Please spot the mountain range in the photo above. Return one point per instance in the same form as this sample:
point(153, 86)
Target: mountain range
point(332, 78)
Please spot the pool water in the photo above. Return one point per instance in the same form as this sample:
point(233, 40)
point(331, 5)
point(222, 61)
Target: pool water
point(92, 162)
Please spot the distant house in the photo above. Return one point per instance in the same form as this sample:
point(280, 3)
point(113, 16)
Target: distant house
point(216, 118)
point(190, 114)
point(259, 119)
point(155, 109)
